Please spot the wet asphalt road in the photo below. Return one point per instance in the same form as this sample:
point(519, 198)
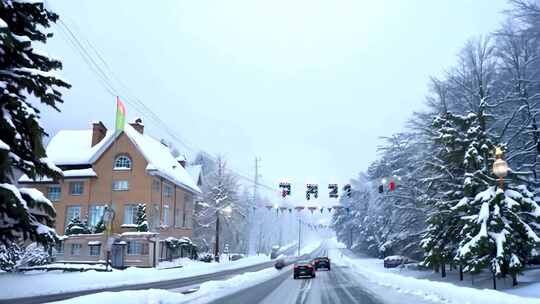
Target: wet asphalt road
point(329, 287)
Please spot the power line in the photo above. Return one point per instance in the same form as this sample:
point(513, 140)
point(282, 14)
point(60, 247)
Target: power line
point(85, 48)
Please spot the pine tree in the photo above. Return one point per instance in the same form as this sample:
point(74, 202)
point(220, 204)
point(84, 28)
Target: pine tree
point(501, 234)
point(9, 257)
point(76, 226)
point(99, 227)
point(444, 171)
point(26, 78)
point(142, 223)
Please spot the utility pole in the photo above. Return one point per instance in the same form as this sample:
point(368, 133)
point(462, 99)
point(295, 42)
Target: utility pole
point(255, 186)
point(299, 233)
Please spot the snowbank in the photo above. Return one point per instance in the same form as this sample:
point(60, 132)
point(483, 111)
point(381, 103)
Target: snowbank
point(207, 292)
point(15, 285)
point(436, 292)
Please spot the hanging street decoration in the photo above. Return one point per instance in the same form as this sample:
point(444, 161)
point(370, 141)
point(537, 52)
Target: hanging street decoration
point(285, 189)
point(312, 208)
point(299, 208)
point(312, 189)
point(348, 190)
point(329, 209)
point(333, 190)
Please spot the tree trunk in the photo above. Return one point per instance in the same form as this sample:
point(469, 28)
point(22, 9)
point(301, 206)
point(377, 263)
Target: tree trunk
point(460, 272)
point(514, 279)
point(443, 270)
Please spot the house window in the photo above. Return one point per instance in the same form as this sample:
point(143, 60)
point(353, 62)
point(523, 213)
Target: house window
point(156, 185)
point(53, 193)
point(72, 212)
point(120, 185)
point(95, 213)
point(168, 191)
point(137, 248)
point(76, 249)
point(59, 246)
point(130, 214)
point(165, 219)
point(122, 162)
point(76, 188)
point(95, 250)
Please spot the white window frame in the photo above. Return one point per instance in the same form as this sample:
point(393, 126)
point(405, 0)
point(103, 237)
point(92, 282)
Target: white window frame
point(120, 185)
point(165, 215)
point(72, 187)
point(168, 191)
point(133, 217)
point(137, 249)
point(93, 247)
point(122, 162)
point(76, 252)
point(59, 193)
point(69, 216)
point(95, 213)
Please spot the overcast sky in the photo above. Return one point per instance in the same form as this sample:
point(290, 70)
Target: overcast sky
point(309, 86)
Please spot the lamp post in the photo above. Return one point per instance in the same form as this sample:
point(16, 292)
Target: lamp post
point(226, 212)
point(108, 217)
point(500, 167)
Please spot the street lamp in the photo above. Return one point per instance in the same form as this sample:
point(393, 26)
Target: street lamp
point(226, 212)
point(108, 217)
point(500, 167)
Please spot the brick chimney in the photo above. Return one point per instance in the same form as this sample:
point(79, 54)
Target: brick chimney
point(98, 132)
point(138, 125)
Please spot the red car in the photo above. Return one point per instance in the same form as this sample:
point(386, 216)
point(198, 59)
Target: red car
point(303, 269)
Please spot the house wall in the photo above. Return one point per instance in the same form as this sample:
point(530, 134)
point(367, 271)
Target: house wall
point(139, 181)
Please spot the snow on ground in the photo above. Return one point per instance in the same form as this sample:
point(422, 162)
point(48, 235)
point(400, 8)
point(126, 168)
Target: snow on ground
point(207, 292)
point(310, 247)
point(16, 285)
point(403, 281)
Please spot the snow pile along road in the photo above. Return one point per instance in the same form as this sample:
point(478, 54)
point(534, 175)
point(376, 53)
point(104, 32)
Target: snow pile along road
point(207, 292)
point(436, 292)
point(16, 285)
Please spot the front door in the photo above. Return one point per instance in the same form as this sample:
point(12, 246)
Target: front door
point(117, 255)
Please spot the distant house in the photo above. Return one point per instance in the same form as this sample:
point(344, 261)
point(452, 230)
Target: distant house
point(122, 170)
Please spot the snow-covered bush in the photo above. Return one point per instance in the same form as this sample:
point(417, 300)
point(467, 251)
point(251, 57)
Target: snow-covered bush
point(34, 255)
point(9, 255)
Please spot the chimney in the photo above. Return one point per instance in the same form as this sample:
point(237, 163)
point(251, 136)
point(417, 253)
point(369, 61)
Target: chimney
point(181, 160)
point(138, 125)
point(98, 132)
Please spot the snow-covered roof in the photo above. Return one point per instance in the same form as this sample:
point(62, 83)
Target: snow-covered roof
point(160, 160)
point(94, 243)
point(89, 172)
point(194, 171)
point(73, 147)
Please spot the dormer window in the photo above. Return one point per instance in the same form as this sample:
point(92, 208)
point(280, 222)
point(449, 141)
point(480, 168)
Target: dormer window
point(122, 162)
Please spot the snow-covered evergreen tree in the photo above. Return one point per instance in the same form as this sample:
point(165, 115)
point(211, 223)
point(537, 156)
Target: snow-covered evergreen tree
point(500, 233)
point(26, 78)
point(76, 226)
point(142, 223)
point(9, 255)
point(33, 255)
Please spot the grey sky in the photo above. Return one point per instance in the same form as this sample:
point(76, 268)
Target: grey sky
point(309, 86)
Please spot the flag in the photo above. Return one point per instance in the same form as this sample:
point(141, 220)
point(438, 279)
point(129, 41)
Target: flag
point(120, 114)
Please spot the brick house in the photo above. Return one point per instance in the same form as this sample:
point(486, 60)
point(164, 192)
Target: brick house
point(122, 170)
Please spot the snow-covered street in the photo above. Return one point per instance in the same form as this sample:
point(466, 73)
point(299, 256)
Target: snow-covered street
point(351, 280)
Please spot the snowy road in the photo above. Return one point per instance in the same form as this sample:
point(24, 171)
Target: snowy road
point(329, 287)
